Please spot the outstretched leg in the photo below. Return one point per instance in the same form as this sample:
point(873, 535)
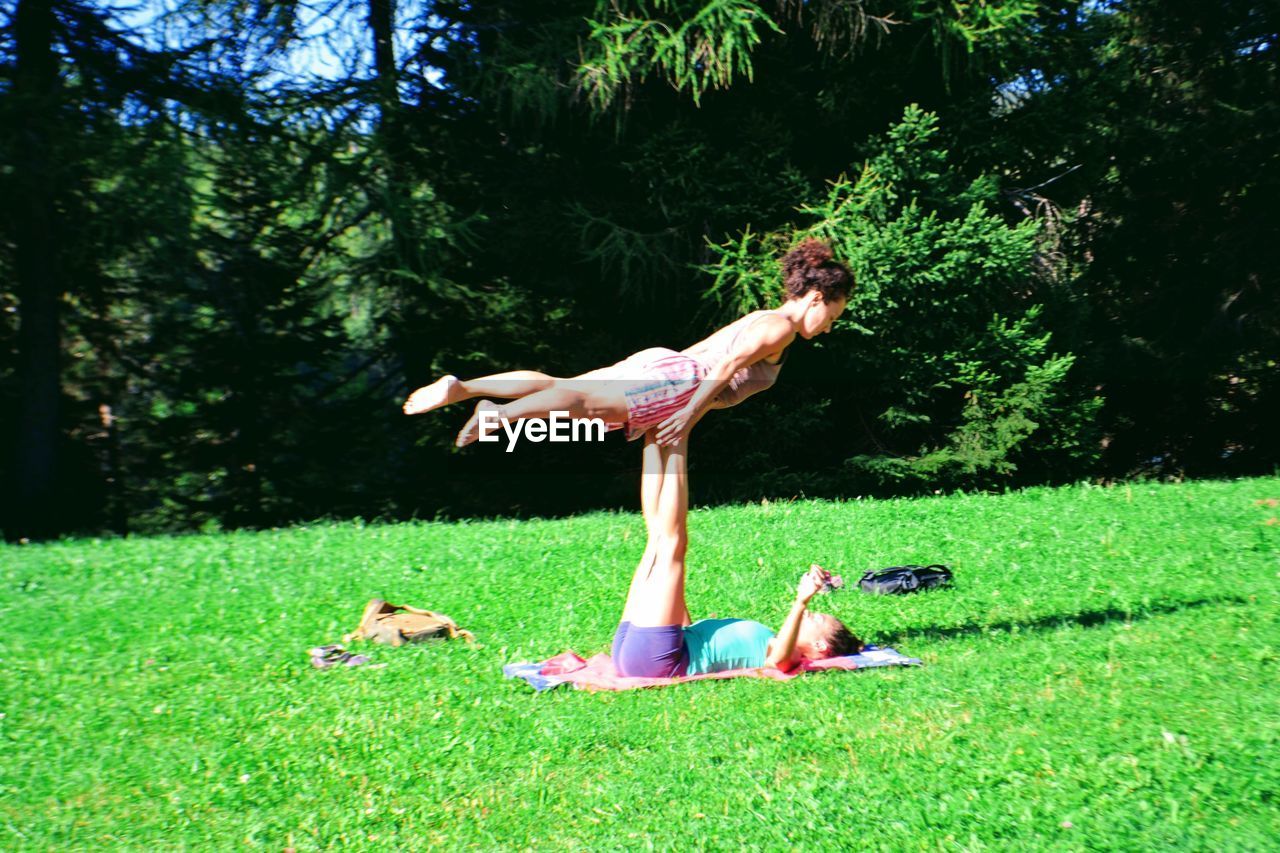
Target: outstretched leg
point(451, 389)
point(580, 398)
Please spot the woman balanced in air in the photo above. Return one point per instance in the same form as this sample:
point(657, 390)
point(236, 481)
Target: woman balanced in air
point(659, 387)
point(657, 639)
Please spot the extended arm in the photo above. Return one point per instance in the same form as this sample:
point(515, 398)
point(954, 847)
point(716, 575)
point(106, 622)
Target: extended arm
point(761, 339)
point(782, 649)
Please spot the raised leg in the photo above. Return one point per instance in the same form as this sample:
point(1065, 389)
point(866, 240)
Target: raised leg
point(510, 385)
point(451, 389)
point(656, 596)
point(590, 399)
point(650, 491)
point(651, 480)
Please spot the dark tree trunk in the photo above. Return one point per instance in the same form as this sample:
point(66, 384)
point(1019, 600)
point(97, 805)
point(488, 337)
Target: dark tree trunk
point(382, 14)
point(393, 150)
point(382, 21)
point(112, 474)
point(38, 283)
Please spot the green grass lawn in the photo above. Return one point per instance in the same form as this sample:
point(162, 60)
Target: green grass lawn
point(1104, 675)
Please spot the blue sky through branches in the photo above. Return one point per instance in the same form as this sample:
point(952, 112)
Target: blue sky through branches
point(327, 41)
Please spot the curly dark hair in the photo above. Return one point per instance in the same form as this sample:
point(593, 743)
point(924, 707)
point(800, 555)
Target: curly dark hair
point(843, 642)
point(811, 265)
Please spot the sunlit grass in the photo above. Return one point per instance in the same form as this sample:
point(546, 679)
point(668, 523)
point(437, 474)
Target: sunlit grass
point(1103, 674)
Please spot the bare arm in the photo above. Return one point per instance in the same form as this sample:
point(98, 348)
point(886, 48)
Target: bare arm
point(758, 341)
point(782, 648)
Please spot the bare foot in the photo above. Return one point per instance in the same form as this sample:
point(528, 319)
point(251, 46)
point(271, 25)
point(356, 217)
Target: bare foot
point(471, 431)
point(442, 392)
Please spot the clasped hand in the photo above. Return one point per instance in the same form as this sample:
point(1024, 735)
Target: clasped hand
point(811, 583)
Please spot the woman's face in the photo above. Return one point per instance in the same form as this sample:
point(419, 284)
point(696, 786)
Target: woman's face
point(814, 639)
point(819, 316)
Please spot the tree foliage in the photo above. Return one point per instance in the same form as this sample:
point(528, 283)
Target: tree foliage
point(949, 358)
point(228, 265)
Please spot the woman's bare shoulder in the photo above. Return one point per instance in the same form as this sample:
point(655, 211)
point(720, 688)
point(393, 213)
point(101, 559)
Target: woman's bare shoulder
point(771, 329)
point(760, 325)
point(774, 321)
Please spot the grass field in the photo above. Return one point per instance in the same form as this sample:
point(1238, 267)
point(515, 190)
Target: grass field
point(1104, 675)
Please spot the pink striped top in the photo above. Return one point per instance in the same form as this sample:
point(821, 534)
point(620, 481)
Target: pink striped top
point(748, 380)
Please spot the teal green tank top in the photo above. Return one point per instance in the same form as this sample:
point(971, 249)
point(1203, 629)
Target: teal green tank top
point(719, 644)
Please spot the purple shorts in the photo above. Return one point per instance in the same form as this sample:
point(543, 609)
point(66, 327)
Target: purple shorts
point(658, 652)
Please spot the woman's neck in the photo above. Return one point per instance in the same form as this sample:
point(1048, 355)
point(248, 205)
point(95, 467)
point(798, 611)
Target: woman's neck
point(793, 310)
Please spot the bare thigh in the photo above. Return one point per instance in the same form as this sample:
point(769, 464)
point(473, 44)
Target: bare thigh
point(600, 398)
point(658, 598)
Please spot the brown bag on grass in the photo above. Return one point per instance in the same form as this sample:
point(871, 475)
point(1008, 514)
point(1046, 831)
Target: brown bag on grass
point(398, 624)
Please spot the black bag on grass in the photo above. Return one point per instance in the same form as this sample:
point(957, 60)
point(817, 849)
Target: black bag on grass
point(898, 580)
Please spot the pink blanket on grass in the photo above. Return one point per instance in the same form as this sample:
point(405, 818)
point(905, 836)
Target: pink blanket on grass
point(597, 672)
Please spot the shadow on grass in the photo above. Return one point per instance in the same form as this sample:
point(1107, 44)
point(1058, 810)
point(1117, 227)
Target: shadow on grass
point(1087, 619)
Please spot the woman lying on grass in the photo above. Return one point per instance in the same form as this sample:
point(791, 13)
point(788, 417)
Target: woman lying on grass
point(657, 639)
point(661, 387)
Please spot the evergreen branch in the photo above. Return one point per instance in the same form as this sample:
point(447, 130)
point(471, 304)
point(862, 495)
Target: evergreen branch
point(705, 50)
